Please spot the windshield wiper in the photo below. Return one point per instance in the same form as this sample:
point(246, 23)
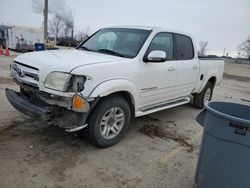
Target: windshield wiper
point(85, 48)
point(107, 51)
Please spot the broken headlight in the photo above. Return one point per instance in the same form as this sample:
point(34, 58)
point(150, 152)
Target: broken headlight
point(57, 81)
point(76, 83)
point(65, 82)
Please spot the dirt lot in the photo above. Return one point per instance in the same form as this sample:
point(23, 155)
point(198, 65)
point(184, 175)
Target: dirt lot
point(160, 150)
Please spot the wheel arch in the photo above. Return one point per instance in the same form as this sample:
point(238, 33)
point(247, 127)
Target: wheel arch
point(128, 97)
point(122, 87)
point(211, 77)
point(212, 80)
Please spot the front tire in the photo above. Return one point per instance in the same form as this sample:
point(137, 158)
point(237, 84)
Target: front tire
point(204, 96)
point(108, 121)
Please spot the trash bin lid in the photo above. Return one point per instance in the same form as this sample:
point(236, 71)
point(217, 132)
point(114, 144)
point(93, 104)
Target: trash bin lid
point(231, 111)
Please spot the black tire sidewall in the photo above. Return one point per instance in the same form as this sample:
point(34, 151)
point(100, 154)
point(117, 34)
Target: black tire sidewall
point(94, 120)
point(199, 97)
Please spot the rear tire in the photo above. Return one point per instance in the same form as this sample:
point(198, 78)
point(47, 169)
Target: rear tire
point(108, 121)
point(204, 96)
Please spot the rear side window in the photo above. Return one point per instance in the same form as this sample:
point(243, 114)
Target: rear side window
point(184, 47)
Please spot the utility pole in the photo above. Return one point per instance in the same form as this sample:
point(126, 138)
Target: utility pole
point(45, 14)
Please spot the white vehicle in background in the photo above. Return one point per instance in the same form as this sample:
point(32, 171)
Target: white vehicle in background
point(117, 74)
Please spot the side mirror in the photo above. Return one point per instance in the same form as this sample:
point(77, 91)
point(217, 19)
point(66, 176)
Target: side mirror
point(156, 56)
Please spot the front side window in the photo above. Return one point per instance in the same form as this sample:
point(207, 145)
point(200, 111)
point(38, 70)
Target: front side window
point(162, 42)
point(184, 47)
point(122, 42)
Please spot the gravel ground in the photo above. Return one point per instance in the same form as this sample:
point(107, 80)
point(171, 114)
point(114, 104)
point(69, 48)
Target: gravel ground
point(160, 150)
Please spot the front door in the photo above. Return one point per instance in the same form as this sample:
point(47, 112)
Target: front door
point(158, 78)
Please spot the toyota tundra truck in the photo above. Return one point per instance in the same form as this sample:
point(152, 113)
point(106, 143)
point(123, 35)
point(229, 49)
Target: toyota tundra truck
point(116, 74)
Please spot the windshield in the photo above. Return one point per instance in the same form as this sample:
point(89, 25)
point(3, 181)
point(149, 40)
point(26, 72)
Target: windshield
point(122, 42)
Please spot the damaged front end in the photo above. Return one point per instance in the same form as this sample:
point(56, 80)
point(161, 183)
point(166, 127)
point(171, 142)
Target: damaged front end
point(68, 112)
point(30, 103)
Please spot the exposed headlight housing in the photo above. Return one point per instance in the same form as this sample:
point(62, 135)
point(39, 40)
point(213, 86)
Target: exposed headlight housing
point(76, 83)
point(65, 82)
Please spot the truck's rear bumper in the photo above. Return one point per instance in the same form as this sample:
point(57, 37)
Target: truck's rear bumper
point(25, 106)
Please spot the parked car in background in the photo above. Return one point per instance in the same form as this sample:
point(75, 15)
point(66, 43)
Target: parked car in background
point(116, 74)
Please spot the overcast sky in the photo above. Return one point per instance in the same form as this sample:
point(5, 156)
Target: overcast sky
point(223, 23)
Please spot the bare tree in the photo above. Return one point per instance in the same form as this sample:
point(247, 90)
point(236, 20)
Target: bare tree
point(82, 35)
point(87, 31)
point(203, 47)
point(224, 51)
point(244, 48)
point(69, 24)
point(55, 25)
point(68, 27)
point(63, 16)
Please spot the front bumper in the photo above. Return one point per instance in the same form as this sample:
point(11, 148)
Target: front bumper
point(23, 105)
point(52, 114)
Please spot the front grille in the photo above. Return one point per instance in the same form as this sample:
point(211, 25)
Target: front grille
point(25, 73)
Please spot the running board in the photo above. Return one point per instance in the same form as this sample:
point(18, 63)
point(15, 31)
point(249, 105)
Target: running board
point(162, 106)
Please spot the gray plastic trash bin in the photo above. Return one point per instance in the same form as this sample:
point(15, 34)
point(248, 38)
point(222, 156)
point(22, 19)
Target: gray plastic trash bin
point(224, 157)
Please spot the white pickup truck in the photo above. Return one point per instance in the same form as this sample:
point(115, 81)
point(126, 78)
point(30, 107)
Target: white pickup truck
point(116, 74)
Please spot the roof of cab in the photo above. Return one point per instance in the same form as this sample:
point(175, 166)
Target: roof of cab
point(133, 27)
point(154, 28)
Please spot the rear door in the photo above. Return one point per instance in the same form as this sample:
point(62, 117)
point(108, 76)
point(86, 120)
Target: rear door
point(187, 65)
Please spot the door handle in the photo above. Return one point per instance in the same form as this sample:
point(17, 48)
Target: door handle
point(195, 67)
point(170, 69)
